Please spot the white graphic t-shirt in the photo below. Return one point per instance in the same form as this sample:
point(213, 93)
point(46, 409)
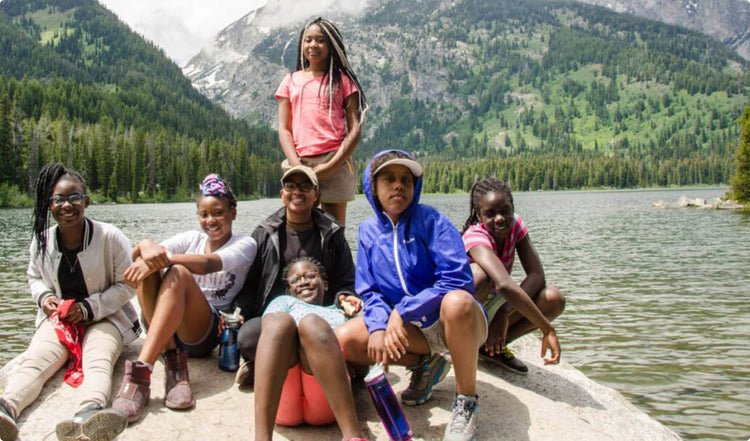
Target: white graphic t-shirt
point(221, 287)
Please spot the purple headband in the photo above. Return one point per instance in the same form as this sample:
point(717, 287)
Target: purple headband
point(213, 185)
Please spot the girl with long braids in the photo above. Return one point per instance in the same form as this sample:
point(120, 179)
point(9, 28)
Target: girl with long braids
point(76, 278)
point(182, 285)
point(321, 106)
point(492, 234)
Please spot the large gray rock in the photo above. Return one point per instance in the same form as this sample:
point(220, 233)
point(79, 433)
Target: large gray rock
point(552, 403)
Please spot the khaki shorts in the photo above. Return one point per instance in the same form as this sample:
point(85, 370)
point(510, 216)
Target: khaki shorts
point(493, 304)
point(435, 338)
point(340, 187)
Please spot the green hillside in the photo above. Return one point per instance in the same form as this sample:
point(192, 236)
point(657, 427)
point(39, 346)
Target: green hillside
point(539, 85)
point(77, 86)
point(558, 86)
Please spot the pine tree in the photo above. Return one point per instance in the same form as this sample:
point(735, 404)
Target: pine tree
point(741, 179)
point(6, 141)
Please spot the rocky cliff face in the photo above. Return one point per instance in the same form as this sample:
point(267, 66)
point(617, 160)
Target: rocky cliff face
point(405, 47)
point(725, 20)
point(253, 54)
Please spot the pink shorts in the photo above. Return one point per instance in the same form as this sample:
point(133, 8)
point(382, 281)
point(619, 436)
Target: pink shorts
point(303, 401)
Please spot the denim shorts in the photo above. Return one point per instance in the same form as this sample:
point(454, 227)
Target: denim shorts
point(207, 343)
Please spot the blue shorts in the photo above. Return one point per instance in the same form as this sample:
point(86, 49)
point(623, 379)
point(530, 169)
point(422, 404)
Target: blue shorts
point(205, 346)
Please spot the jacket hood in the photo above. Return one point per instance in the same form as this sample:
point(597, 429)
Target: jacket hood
point(367, 187)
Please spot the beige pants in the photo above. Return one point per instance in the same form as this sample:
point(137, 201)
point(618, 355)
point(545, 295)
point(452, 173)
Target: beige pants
point(102, 345)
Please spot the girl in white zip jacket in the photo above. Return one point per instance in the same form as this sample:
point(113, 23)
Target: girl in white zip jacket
point(76, 272)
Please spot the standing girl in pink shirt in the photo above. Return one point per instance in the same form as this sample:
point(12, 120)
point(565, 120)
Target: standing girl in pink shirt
point(321, 105)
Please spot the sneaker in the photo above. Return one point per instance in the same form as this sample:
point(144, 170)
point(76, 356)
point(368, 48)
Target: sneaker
point(463, 423)
point(430, 371)
point(92, 423)
point(178, 394)
point(506, 360)
point(135, 391)
point(245, 374)
point(8, 427)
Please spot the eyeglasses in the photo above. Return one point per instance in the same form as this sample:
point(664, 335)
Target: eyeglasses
point(59, 200)
point(293, 280)
point(304, 187)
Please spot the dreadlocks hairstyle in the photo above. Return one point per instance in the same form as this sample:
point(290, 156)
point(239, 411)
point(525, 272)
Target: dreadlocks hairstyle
point(479, 189)
point(46, 181)
point(319, 266)
point(338, 62)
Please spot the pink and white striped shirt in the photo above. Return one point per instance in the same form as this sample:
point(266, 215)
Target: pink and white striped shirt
point(478, 235)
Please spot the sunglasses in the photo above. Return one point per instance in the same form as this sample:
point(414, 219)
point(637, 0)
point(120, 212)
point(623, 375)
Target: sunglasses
point(304, 187)
point(59, 200)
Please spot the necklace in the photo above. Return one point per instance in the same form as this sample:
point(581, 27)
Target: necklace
point(299, 225)
point(73, 265)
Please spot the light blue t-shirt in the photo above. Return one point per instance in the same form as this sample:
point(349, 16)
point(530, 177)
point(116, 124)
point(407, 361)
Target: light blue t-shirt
point(298, 309)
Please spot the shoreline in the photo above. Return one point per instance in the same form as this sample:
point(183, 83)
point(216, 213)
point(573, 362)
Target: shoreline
point(552, 402)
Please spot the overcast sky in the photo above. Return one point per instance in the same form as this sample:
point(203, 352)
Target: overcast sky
point(180, 27)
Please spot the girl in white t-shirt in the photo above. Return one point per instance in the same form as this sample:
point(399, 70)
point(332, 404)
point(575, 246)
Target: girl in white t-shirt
point(182, 283)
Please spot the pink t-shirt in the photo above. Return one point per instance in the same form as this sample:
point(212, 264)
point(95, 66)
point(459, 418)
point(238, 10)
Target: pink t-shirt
point(315, 130)
point(478, 235)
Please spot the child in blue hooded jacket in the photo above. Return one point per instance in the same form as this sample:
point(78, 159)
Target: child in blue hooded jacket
point(416, 283)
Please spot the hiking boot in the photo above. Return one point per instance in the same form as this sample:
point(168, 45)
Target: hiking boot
point(463, 423)
point(506, 360)
point(245, 374)
point(177, 392)
point(429, 372)
point(92, 423)
point(8, 427)
point(135, 390)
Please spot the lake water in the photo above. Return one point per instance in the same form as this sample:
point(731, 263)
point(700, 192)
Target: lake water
point(657, 298)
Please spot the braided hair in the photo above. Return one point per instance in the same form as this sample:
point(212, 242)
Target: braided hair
point(318, 266)
point(46, 181)
point(479, 189)
point(338, 62)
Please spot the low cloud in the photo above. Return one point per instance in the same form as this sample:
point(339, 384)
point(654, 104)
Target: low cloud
point(283, 12)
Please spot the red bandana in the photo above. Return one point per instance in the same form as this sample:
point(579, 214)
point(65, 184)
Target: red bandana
point(70, 336)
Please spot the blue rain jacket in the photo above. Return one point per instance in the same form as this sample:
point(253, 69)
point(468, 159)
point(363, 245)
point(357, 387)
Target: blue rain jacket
point(409, 266)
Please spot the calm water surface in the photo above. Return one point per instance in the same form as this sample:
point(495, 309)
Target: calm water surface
point(657, 298)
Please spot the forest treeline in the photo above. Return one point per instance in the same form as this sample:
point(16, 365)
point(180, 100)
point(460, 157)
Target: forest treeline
point(124, 163)
point(558, 96)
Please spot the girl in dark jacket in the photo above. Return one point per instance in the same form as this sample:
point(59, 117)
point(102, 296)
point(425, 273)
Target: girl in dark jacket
point(296, 230)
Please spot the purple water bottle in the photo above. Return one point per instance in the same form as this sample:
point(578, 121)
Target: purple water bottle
point(386, 403)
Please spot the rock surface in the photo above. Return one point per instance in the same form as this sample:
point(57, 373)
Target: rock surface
point(551, 403)
point(686, 202)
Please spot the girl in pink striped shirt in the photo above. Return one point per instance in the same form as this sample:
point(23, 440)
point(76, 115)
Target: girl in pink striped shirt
point(492, 234)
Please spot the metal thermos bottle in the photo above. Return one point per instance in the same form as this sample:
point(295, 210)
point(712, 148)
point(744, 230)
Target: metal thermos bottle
point(387, 405)
point(229, 352)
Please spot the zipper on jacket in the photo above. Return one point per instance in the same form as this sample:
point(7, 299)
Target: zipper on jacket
point(395, 257)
